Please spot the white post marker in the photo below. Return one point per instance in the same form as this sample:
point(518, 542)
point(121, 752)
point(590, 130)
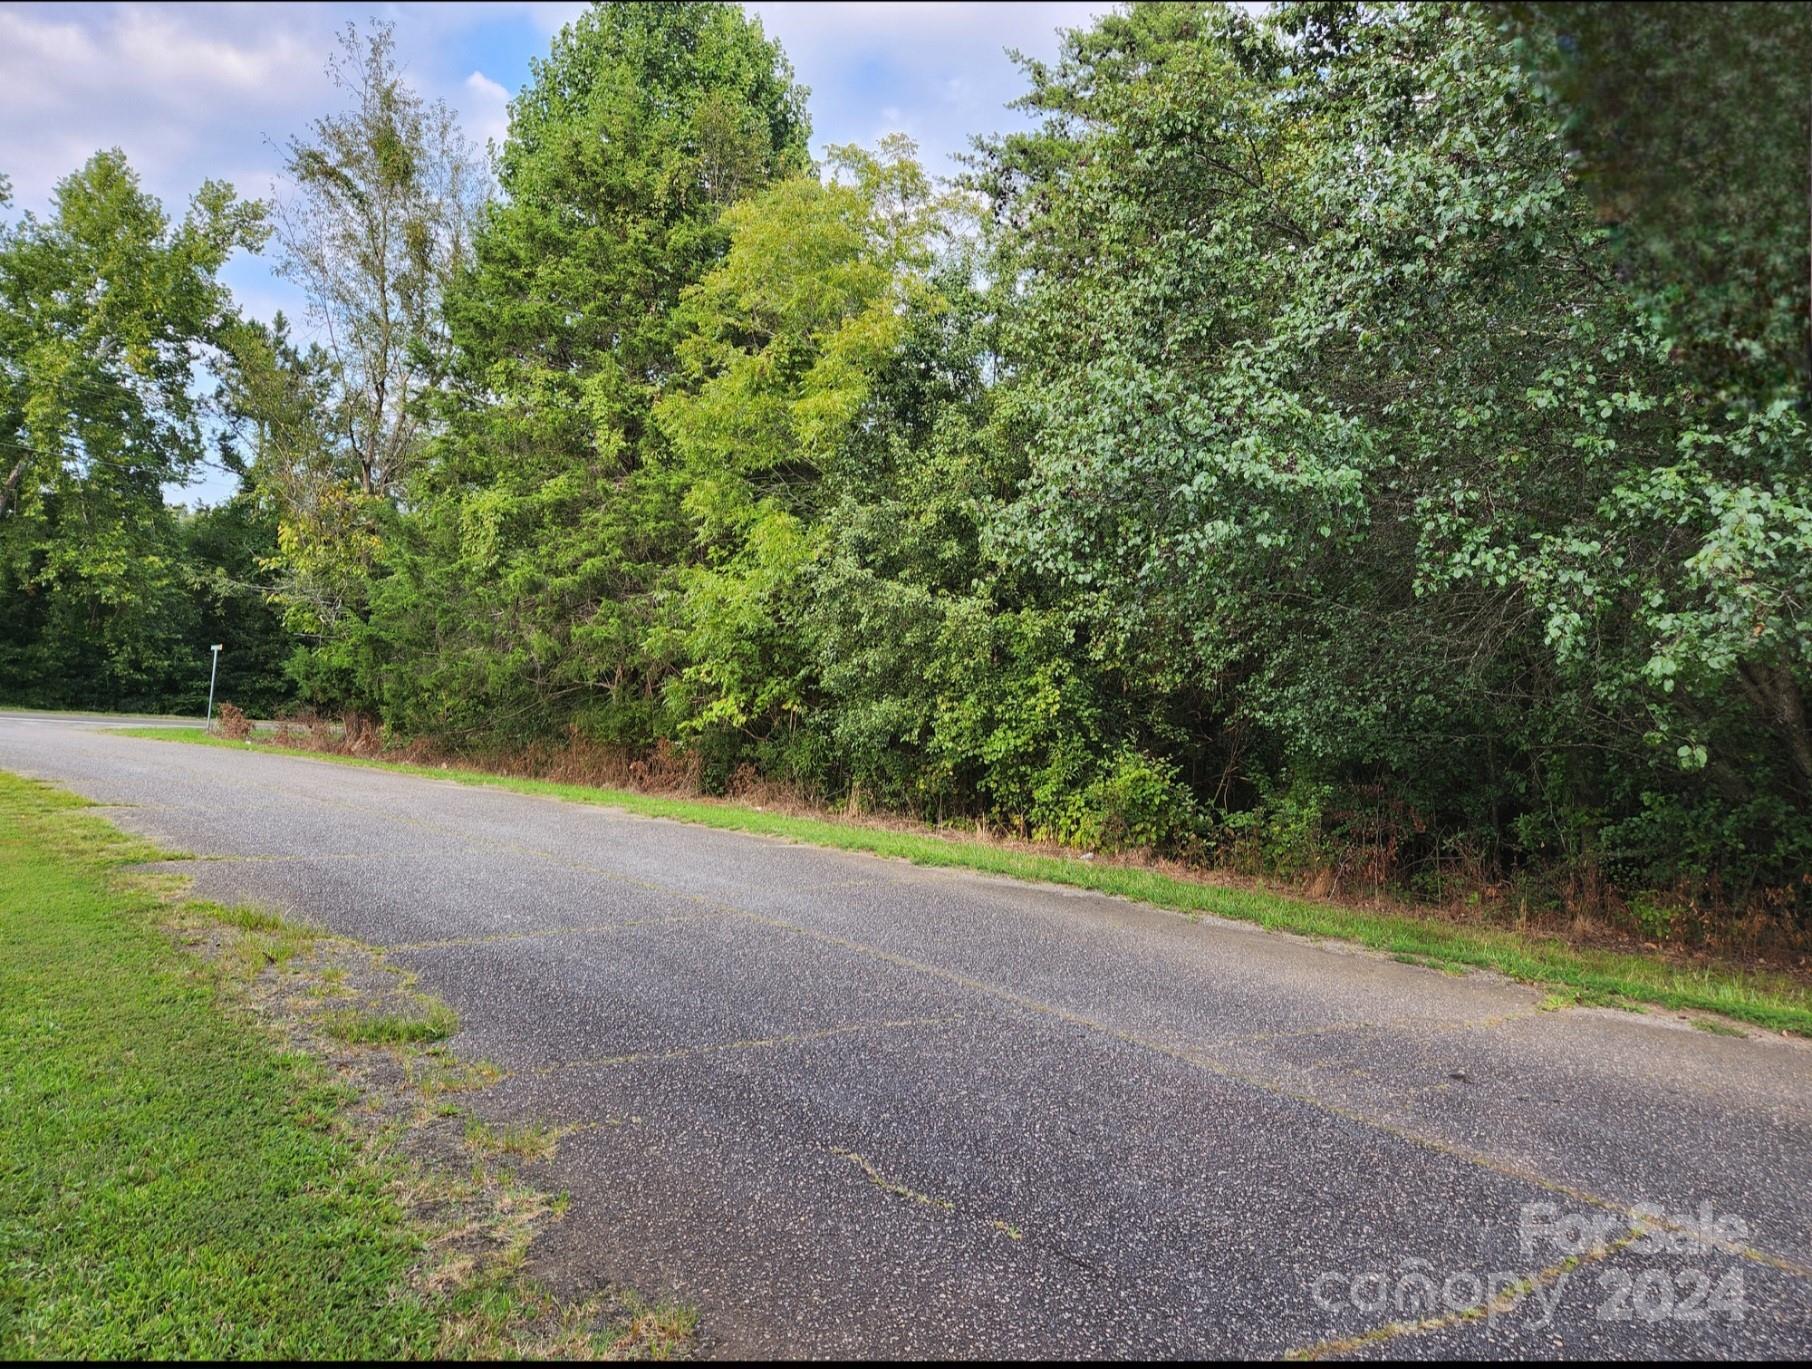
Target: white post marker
point(213, 671)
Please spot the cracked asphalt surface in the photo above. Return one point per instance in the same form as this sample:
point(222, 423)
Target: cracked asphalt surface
point(848, 1106)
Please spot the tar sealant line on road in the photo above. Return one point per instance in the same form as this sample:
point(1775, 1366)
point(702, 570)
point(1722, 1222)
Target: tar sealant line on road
point(751, 1044)
point(895, 1189)
point(584, 929)
point(549, 933)
point(304, 860)
point(1310, 1033)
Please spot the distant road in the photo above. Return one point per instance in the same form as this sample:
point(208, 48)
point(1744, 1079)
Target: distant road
point(851, 1106)
point(27, 715)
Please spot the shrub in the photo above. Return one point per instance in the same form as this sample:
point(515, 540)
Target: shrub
point(1139, 803)
point(1285, 832)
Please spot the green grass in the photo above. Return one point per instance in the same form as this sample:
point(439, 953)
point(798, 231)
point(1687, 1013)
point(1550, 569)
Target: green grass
point(168, 1184)
point(1717, 1028)
point(528, 1140)
point(435, 1022)
point(1773, 1001)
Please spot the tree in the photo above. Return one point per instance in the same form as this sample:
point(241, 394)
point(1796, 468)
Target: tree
point(548, 524)
point(380, 222)
point(1357, 434)
point(106, 312)
point(229, 550)
point(785, 340)
point(1693, 125)
point(378, 228)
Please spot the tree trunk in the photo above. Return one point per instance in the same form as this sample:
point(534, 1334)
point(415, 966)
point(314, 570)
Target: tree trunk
point(12, 483)
point(1776, 694)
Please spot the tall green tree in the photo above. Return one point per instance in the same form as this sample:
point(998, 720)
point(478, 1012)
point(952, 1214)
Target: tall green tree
point(378, 226)
point(548, 522)
point(108, 311)
point(1705, 193)
point(784, 342)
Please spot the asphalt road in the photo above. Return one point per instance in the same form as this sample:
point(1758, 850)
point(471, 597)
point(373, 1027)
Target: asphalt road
point(849, 1106)
point(36, 716)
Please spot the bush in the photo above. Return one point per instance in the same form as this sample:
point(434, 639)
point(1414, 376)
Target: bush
point(1285, 832)
point(1139, 804)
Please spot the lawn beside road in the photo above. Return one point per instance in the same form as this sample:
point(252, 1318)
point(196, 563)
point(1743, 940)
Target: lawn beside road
point(167, 1187)
point(174, 1183)
point(1572, 973)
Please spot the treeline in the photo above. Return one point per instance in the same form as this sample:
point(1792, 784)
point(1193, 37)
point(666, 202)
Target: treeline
point(1357, 441)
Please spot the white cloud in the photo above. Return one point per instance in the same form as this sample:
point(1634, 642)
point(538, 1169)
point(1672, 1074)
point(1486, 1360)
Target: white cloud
point(485, 111)
point(188, 90)
point(485, 88)
point(192, 92)
point(942, 69)
point(181, 96)
point(921, 22)
point(162, 50)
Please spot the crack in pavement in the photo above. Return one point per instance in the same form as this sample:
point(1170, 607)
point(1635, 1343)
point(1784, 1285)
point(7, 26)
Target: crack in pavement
point(583, 929)
point(894, 1188)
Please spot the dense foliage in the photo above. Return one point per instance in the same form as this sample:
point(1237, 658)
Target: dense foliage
point(1362, 440)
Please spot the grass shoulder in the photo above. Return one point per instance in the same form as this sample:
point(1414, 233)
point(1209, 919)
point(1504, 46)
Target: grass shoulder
point(1573, 974)
point(225, 1135)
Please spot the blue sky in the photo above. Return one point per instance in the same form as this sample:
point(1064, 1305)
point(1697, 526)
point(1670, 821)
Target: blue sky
point(198, 90)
